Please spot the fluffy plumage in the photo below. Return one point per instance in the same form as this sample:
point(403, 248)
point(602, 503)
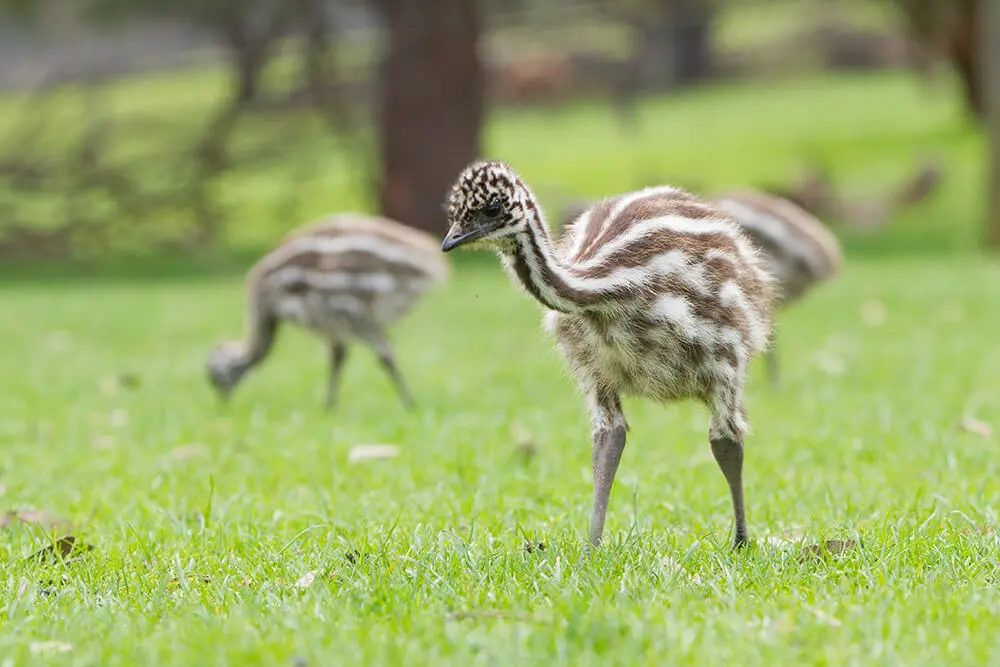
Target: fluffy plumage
point(347, 277)
point(652, 293)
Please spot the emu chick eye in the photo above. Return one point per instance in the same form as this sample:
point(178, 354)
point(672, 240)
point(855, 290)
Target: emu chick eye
point(492, 210)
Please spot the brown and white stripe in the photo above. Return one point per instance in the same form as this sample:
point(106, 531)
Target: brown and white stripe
point(347, 277)
point(652, 293)
point(798, 248)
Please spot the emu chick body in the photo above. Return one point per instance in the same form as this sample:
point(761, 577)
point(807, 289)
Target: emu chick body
point(346, 278)
point(653, 293)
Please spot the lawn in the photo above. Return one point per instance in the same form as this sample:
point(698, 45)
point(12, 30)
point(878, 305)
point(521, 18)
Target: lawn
point(244, 534)
point(203, 518)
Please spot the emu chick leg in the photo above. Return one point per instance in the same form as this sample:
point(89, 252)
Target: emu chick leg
point(386, 356)
point(338, 352)
point(608, 435)
point(729, 455)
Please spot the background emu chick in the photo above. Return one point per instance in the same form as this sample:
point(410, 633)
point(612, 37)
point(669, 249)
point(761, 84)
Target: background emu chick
point(652, 293)
point(345, 278)
point(797, 247)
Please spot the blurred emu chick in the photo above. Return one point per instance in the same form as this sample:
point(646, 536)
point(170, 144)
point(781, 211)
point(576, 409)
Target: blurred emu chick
point(797, 248)
point(345, 278)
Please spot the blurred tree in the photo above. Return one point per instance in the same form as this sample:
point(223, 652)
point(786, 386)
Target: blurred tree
point(949, 29)
point(431, 105)
point(248, 28)
point(673, 41)
point(990, 37)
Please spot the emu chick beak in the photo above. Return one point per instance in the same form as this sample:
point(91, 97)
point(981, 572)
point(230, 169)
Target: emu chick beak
point(457, 237)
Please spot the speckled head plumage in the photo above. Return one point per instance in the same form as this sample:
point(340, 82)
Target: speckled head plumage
point(487, 203)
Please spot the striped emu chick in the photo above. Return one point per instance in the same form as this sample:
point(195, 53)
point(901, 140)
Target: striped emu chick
point(652, 293)
point(345, 278)
point(797, 248)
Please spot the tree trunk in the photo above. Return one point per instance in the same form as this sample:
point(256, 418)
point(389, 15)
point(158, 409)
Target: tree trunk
point(673, 44)
point(250, 44)
point(967, 56)
point(693, 43)
point(431, 106)
point(990, 57)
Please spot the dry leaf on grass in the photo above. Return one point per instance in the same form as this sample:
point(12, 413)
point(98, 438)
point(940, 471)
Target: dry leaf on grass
point(976, 426)
point(369, 452)
point(42, 518)
point(824, 617)
point(49, 648)
point(826, 548)
point(873, 313)
point(118, 418)
point(22, 588)
point(307, 579)
point(829, 362)
point(64, 547)
point(189, 451)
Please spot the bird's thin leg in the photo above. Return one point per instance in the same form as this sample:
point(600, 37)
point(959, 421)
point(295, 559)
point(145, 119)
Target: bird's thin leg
point(387, 358)
point(729, 455)
point(609, 432)
point(726, 435)
point(771, 359)
point(338, 352)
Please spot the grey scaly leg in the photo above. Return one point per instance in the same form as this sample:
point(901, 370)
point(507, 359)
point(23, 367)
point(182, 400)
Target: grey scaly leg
point(729, 455)
point(726, 435)
point(609, 432)
point(338, 352)
point(386, 356)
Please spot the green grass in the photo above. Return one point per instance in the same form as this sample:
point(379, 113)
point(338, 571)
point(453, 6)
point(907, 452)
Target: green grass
point(203, 518)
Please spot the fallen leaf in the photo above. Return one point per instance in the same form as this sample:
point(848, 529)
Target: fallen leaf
point(976, 426)
point(105, 442)
point(189, 451)
point(64, 546)
point(42, 518)
point(49, 648)
point(873, 313)
point(829, 363)
point(827, 548)
point(824, 617)
point(367, 452)
point(307, 579)
point(118, 418)
point(22, 588)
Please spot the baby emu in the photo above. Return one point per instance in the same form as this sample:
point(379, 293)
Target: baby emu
point(346, 277)
point(652, 293)
point(797, 248)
